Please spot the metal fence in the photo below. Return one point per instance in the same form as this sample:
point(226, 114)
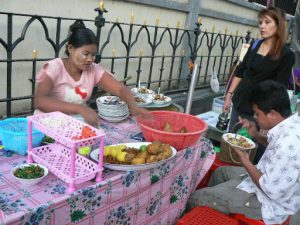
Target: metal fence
point(168, 69)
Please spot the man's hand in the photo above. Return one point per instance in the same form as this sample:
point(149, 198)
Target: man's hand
point(243, 154)
point(250, 126)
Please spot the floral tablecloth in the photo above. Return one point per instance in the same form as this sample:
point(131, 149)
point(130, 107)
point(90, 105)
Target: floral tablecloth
point(155, 196)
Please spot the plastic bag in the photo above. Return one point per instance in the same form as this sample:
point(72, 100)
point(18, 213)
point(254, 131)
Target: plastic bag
point(214, 82)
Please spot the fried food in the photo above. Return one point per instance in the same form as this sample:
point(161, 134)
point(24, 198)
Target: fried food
point(183, 130)
point(156, 151)
point(152, 159)
point(167, 127)
point(138, 160)
point(142, 155)
point(154, 147)
point(166, 150)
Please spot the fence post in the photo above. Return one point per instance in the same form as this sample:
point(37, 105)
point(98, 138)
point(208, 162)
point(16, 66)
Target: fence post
point(99, 23)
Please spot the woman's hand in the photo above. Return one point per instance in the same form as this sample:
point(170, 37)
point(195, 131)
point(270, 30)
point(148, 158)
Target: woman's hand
point(138, 111)
point(89, 115)
point(227, 103)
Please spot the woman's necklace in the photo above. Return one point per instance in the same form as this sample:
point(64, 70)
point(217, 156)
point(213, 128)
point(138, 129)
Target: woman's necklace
point(264, 49)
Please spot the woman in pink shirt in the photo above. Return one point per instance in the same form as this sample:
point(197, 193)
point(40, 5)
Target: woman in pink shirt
point(65, 84)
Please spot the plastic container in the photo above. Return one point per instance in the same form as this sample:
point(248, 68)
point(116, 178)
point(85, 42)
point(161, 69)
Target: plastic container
point(217, 105)
point(245, 220)
point(61, 158)
point(14, 135)
point(203, 215)
point(152, 128)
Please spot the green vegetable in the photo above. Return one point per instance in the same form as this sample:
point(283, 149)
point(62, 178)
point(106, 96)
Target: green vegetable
point(48, 140)
point(143, 148)
point(29, 172)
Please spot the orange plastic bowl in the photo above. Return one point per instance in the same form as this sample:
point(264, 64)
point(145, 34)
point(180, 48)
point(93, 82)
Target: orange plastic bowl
point(152, 128)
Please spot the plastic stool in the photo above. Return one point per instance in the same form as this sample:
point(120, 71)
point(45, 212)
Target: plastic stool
point(216, 164)
point(203, 215)
point(248, 221)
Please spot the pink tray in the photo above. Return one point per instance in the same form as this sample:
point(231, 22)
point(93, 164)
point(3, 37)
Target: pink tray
point(62, 128)
point(56, 158)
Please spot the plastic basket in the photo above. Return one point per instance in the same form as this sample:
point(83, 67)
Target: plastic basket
point(14, 135)
point(152, 128)
point(203, 215)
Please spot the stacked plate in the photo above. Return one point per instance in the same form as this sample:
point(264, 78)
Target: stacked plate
point(112, 109)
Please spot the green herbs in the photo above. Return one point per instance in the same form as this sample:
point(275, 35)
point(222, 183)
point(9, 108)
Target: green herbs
point(29, 172)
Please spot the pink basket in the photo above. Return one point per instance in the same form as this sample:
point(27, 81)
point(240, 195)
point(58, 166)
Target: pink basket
point(62, 128)
point(56, 158)
point(152, 128)
point(61, 158)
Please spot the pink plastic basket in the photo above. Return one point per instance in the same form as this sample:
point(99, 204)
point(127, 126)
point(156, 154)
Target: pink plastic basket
point(152, 128)
point(61, 158)
point(56, 158)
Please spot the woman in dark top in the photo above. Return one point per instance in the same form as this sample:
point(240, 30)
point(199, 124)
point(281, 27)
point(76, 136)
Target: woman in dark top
point(269, 59)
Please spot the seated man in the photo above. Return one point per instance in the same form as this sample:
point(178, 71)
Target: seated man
point(271, 189)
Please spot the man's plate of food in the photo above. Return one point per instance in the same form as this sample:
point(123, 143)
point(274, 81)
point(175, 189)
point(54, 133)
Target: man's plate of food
point(238, 141)
point(135, 156)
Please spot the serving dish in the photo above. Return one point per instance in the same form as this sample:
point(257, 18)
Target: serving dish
point(125, 167)
point(29, 182)
point(141, 91)
point(162, 100)
point(238, 141)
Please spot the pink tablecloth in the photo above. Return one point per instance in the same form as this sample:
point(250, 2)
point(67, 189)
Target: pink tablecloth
point(155, 196)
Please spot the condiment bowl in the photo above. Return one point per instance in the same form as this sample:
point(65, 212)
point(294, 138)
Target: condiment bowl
point(29, 182)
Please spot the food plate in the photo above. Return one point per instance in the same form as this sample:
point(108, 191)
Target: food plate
point(142, 100)
point(228, 137)
point(162, 102)
point(141, 91)
point(122, 167)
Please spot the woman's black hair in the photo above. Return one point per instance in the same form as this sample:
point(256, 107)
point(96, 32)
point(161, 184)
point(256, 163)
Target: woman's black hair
point(80, 35)
point(271, 95)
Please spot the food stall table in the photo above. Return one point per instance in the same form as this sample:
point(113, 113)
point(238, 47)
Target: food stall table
point(154, 196)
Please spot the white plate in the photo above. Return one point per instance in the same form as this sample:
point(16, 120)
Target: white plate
point(94, 155)
point(231, 135)
point(159, 102)
point(135, 91)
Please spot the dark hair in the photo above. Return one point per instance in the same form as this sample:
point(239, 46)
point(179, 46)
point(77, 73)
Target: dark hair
point(271, 95)
point(278, 15)
point(80, 35)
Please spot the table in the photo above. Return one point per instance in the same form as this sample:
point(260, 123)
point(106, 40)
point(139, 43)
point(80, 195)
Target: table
point(155, 196)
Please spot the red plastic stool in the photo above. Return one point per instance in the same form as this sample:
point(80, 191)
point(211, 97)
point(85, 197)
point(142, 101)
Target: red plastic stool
point(248, 221)
point(216, 164)
point(203, 215)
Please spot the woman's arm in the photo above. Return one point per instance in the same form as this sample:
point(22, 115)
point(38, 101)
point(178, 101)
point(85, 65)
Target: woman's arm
point(46, 103)
point(227, 103)
point(284, 71)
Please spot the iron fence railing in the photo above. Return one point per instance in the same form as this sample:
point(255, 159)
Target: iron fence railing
point(162, 63)
point(289, 6)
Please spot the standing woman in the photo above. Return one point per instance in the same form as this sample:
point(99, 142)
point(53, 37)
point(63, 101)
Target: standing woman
point(66, 84)
point(270, 59)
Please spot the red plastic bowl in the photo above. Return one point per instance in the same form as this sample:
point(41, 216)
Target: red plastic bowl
point(152, 128)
